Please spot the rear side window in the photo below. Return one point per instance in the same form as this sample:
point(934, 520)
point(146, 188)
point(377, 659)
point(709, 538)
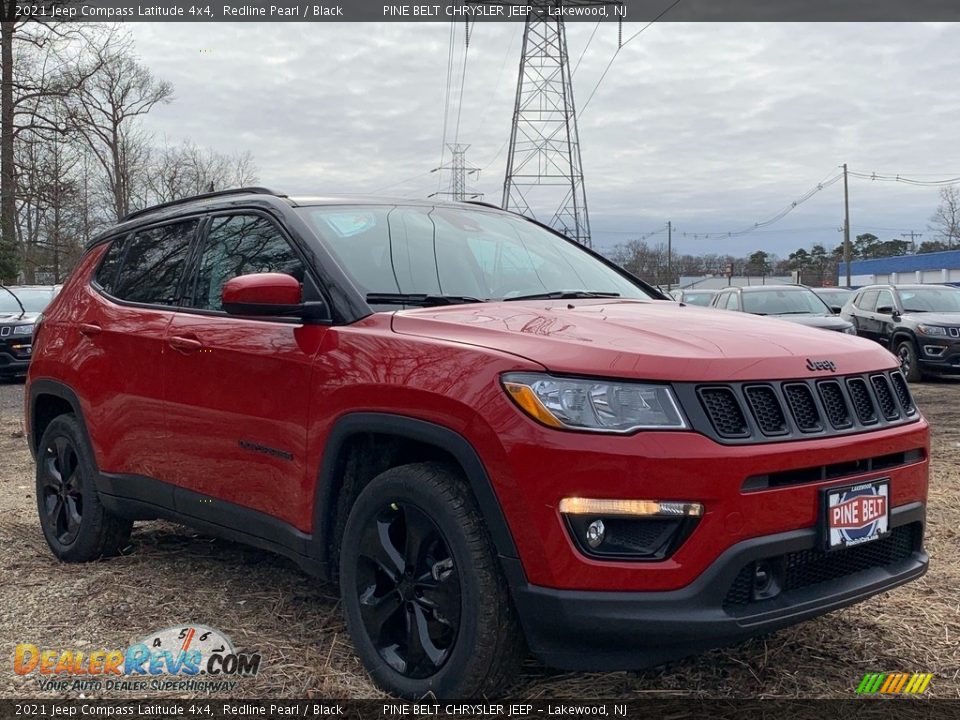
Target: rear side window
point(153, 264)
point(240, 245)
point(106, 276)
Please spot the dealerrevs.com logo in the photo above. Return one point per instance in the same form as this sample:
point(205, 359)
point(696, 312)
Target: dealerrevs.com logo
point(186, 658)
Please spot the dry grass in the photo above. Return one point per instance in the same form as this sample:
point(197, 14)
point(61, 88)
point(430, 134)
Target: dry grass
point(267, 605)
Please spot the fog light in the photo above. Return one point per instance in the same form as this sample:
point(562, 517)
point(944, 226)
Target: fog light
point(765, 580)
point(595, 531)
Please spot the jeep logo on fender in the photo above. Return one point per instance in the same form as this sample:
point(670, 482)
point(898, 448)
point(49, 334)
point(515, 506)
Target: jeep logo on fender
point(816, 365)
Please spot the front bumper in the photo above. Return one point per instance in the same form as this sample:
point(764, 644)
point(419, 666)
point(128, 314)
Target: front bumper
point(939, 355)
point(11, 365)
point(589, 630)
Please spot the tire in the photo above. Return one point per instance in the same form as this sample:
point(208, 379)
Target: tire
point(76, 526)
point(415, 559)
point(909, 365)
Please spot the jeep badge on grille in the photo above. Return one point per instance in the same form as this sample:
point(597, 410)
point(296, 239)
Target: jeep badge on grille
point(816, 365)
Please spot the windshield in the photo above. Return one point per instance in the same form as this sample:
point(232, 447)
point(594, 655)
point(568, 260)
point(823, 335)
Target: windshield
point(458, 252)
point(932, 299)
point(701, 298)
point(33, 300)
point(799, 301)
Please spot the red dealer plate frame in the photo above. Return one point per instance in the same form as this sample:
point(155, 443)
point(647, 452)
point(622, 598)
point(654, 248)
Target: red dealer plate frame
point(855, 514)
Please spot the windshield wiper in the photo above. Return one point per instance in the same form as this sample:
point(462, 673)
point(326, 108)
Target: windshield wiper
point(796, 312)
point(22, 309)
point(565, 295)
point(421, 299)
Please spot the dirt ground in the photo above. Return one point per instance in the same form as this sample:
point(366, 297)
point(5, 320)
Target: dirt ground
point(174, 575)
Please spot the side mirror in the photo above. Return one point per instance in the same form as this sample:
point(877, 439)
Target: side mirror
point(268, 294)
point(887, 310)
point(835, 309)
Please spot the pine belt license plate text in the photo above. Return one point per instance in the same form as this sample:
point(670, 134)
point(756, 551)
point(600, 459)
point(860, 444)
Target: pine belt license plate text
point(856, 514)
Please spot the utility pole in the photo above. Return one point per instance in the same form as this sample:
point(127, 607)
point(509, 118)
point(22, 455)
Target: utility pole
point(847, 251)
point(913, 238)
point(669, 255)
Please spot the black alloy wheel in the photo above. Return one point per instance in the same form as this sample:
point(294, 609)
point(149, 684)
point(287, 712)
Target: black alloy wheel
point(425, 600)
point(75, 524)
point(61, 500)
point(909, 365)
point(409, 590)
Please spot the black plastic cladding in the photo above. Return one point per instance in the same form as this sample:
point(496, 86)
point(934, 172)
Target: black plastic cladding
point(744, 413)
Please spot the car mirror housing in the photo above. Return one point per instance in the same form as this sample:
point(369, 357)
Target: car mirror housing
point(269, 294)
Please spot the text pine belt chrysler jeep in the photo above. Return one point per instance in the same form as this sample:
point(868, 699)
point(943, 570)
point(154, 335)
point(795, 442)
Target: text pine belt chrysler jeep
point(494, 440)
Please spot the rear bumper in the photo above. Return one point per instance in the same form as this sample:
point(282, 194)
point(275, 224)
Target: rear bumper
point(586, 630)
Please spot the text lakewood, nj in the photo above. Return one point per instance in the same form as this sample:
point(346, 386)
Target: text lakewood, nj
point(498, 11)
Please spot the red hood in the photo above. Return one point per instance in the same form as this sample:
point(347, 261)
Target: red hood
point(650, 340)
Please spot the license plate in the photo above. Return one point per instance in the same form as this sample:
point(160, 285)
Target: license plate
point(856, 514)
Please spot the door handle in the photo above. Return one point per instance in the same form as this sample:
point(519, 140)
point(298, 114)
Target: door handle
point(90, 329)
point(184, 345)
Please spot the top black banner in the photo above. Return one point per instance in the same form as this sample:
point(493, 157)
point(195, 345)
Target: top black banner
point(490, 10)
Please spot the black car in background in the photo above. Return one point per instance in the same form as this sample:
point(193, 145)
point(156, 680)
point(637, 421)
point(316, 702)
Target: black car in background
point(834, 297)
point(693, 296)
point(796, 303)
point(20, 306)
point(919, 323)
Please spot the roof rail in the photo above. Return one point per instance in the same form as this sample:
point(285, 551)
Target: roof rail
point(203, 196)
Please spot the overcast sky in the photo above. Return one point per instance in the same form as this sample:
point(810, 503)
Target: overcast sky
point(713, 126)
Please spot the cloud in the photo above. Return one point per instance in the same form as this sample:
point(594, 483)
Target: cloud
point(713, 126)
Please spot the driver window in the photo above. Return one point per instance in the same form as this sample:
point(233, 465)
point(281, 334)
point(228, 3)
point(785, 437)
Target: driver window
point(885, 299)
point(240, 245)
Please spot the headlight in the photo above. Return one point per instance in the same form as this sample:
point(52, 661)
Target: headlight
point(595, 405)
point(932, 330)
point(23, 330)
point(850, 330)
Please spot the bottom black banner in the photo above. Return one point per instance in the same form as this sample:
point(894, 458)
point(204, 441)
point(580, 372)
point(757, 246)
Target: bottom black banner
point(670, 709)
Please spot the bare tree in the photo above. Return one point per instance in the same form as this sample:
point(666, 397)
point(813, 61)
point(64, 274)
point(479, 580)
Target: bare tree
point(34, 58)
point(181, 171)
point(107, 111)
point(946, 220)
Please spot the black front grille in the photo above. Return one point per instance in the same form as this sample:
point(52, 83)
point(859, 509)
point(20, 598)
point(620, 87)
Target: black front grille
point(724, 412)
point(759, 412)
point(903, 393)
point(862, 401)
point(766, 409)
point(835, 404)
point(808, 568)
point(803, 407)
point(881, 387)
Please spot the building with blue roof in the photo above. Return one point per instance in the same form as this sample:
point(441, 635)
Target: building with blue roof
point(939, 267)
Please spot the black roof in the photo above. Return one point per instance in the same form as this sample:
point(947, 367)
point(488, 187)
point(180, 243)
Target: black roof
point(266, 198)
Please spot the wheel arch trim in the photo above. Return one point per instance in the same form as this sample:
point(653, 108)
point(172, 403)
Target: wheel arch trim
point(429, 433)
point(46, 386)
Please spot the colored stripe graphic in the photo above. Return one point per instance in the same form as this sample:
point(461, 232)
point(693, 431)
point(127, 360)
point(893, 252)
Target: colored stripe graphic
point(894, 683)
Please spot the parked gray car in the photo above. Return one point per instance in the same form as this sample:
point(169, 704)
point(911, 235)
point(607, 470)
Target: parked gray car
point(795, 303)
point(919, 323)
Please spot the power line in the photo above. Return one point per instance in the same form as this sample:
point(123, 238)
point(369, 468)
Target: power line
point(617, 52)
point(822, 185)
point(585, 48)
point(903, 179)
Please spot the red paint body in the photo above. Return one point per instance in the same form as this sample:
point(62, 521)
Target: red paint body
point(167, 395)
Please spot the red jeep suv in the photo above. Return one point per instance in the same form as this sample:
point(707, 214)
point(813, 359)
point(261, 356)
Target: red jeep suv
point(493, 438)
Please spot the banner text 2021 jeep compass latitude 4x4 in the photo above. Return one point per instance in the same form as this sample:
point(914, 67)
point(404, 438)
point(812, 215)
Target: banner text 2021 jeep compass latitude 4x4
point(494, 439)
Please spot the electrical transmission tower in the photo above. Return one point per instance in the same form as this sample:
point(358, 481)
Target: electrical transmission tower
point(459, 170)
point(543, 164)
